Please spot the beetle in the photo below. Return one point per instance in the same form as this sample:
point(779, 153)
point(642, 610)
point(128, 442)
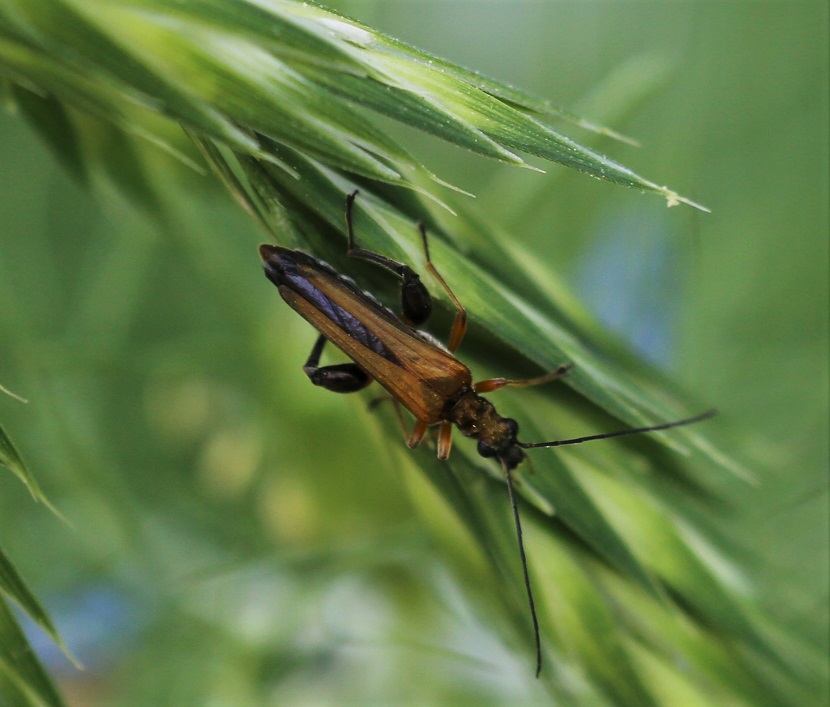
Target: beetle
point(417, 371)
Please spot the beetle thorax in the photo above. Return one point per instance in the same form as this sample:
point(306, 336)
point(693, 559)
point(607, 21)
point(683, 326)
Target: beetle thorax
point(476, 417)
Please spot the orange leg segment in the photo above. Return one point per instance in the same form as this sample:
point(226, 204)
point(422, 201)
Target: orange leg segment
point(444, 440)
point(491, 384)
point(459, 326)
point(418, 432)
point(417, 435)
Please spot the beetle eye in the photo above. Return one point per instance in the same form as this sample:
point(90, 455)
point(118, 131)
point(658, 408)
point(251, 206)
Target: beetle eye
point(485, 449)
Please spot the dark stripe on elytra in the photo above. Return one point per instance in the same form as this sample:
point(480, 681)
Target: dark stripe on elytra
point(323, 304)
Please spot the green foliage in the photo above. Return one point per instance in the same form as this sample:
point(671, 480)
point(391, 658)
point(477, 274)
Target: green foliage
point(200, 62)
point(21, 674)
point(265, 544)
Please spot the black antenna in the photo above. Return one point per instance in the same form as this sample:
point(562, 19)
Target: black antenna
point(619, 433)
point(524, 568)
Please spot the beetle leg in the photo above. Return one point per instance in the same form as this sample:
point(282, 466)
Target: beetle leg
point(416, 304)
point(418, 431)
point(444, 440)
point(417, 435)
point(491, 384)
point(459, 326)
point(339, 378)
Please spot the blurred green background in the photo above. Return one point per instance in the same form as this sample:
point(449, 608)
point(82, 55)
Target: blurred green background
point(235, 531)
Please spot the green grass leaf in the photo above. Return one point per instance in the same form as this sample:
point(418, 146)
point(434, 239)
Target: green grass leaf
point(18, 665)
point(10, 458)
point(289, 71)
point(20, 669)
point(13, 586)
